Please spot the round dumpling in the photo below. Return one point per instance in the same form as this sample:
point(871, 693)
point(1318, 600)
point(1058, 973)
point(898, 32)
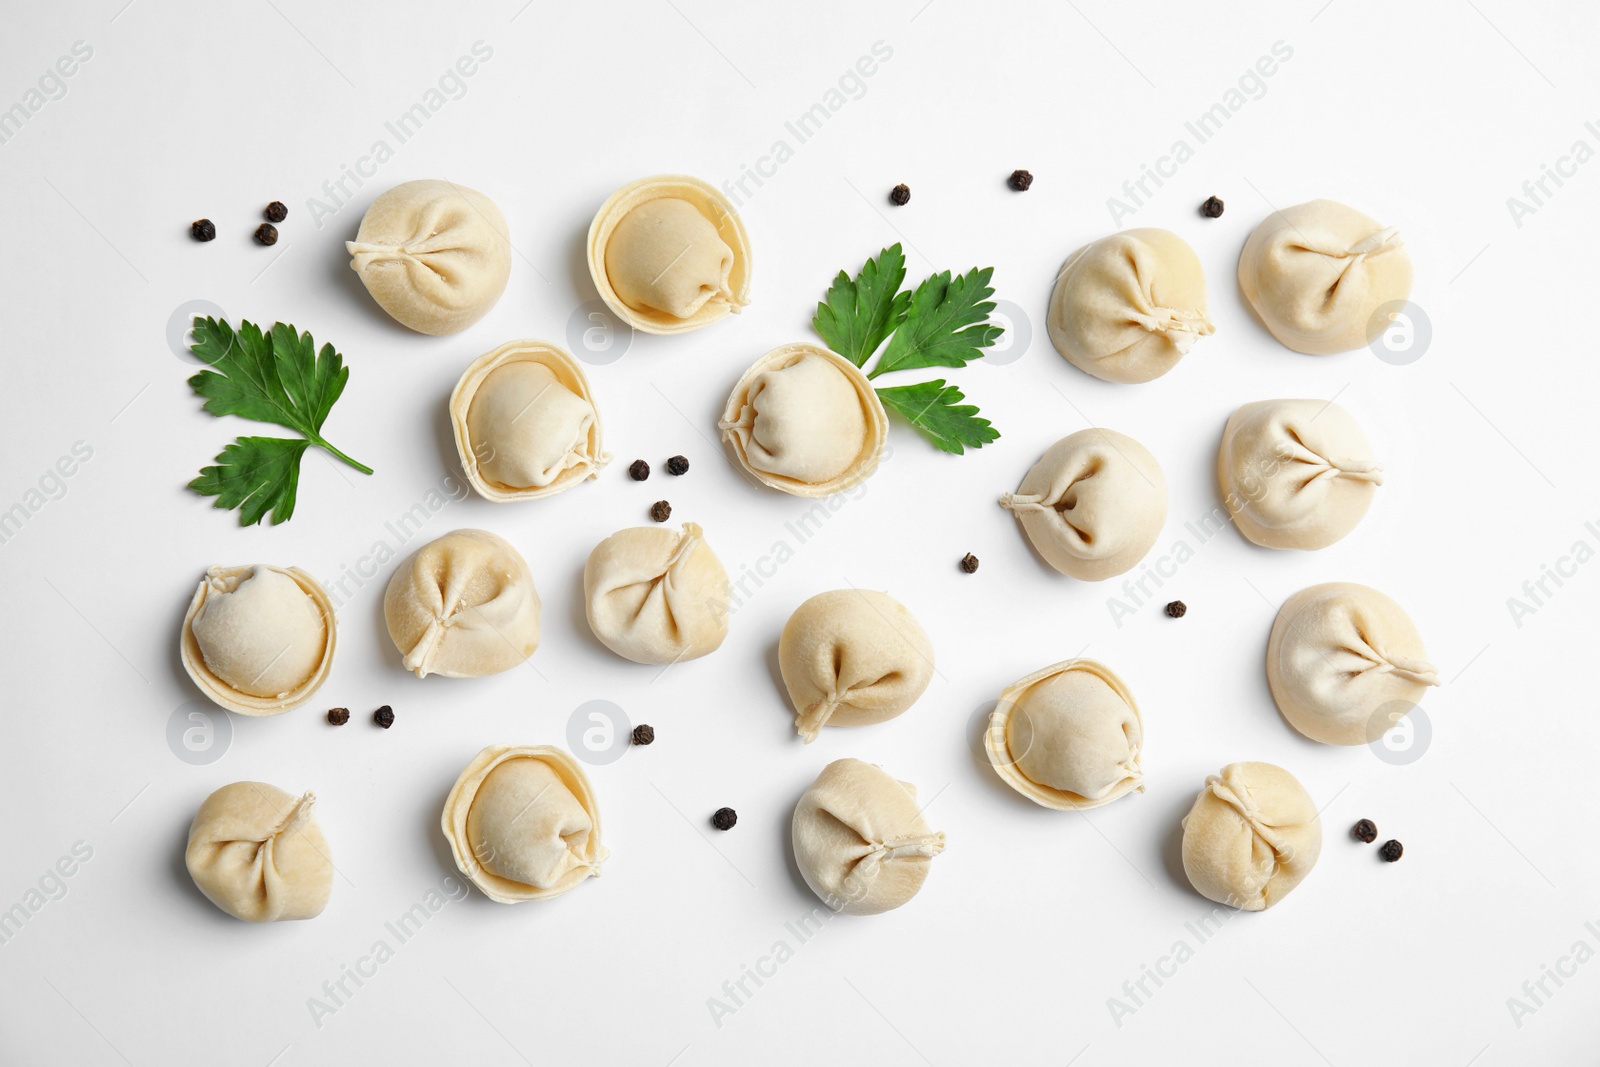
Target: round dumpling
point(655, 595)
point(859, 839)
point(463, 606)
point(1252, 835)
point(257, 639)
point(433, 254)
point(525, 423)
point(1127, 307)
point(257, 853)
point(1068, 737)
point(806, 421)
point(1317, 273)
point(852, 657)
point(669, 254)
point(1345, 663)
point(1296, 473)
point(523, 823)
point(1093, 505)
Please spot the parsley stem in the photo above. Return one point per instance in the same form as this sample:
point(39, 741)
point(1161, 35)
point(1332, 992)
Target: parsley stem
point(362, 467)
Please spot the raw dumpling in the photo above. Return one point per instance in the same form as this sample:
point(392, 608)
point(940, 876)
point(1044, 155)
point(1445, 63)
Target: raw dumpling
point(1252, 835)
point(1127, 307)
point(806, 421)
point(1068, 737)
point(523, 823)
point(669, 254)
point(654, 595)
point(1093, 504)
point(1317, 273)
point(1345, 663)
point(1296, 473)
point(852, 657)
point(525, 423)
point(257, 853)
point(433, 254)
point(463, 606)
point(257, 639)
point(859, 839)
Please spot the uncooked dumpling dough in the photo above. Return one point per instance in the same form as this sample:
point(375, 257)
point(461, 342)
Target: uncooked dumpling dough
point(806, 421)
point(463, 606)
point(655, 595)
point(1127, 307)
point(1345, 663)
point(433, 254)
point(669, 254)
point(859, 839)
point(1296, 473)
point(525, 423)
point(1068, 737)
point(257, 853)
point(1317, 273)
point(523, 823)
point(257, 639)
point(1093, 504)
point(1252, 835)
point(852, 657)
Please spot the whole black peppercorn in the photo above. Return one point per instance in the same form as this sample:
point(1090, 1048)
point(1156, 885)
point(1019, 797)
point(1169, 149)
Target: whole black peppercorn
point(724, 818)
point(900, 195)
point(267, 234)
point(678, 465)
point(1177, 609)
point(202, 230)
point(643, 735)
point(661, 511)
point(338, 716)
point(969, 563)
point(1365, 831)
point(1391, 851)
point(384, 716)
point(276, 212)
point(639, 470)
point(1020, 180)
point(1212, 208)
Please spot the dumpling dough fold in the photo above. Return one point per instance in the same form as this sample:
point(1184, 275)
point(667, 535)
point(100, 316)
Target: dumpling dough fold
point(257, 853)
point(654, 595)
point(463, 606)
point(1252, 835)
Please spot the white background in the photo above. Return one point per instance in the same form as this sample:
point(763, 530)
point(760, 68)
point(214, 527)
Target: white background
point(1427, 116)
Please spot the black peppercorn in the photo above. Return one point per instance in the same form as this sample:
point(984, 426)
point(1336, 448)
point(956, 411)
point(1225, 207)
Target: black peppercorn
point(384, 716)
point(1365, 831)
point(1020, 180)
point(969, 563)
point(338, 716)
point(639, 470)
point(900, 195)
point(267, 234)
point(661, 511)
point(1212, 208)
point(1177, 609)
point(276, 212)
point(202, 230)
point(678, 465)
point(1391, 851)
point(724, 818)
point(643, 735)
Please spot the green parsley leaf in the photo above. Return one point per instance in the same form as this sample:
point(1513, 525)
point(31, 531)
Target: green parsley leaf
point(255, 475)
point(857, 315)
point(935, 409)
point(946, 326)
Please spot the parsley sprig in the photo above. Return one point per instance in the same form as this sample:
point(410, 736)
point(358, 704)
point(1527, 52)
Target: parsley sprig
point(276, 376)
point(943, 323)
